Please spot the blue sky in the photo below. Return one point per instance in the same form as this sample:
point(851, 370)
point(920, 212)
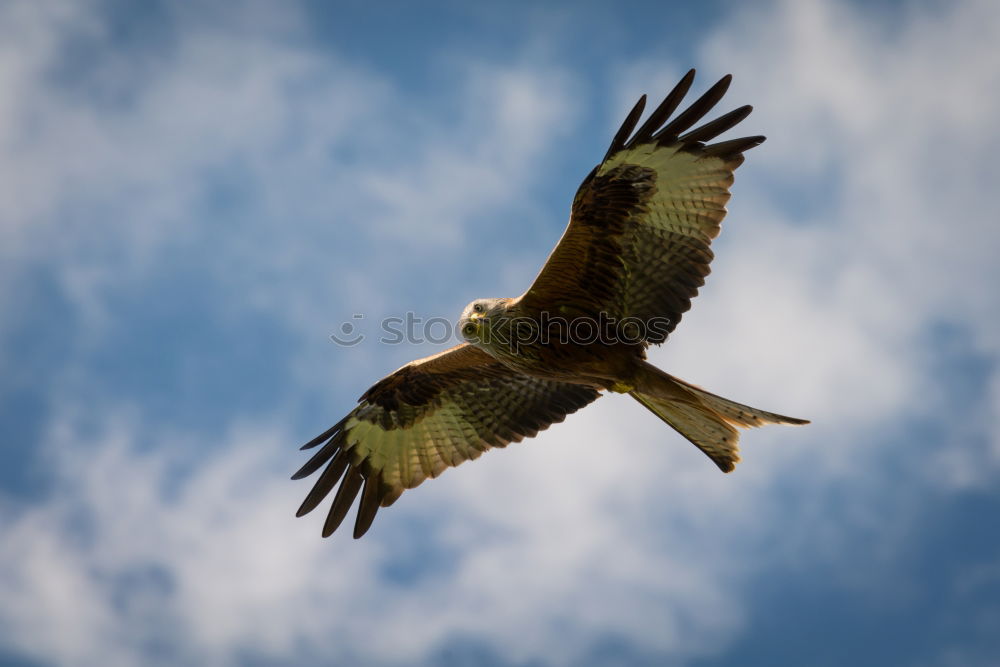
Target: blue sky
point(196, 195)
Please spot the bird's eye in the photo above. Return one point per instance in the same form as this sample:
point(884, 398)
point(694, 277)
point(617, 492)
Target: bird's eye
point(469, 329)
point(478, 308)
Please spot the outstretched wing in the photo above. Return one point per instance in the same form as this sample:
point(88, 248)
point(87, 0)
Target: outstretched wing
point(431, 414)
point(637, 244)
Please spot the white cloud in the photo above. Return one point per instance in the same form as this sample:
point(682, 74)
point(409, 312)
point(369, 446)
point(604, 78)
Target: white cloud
point(127, 553)
point(505, 123)
point(904, 120)
point(252, 107)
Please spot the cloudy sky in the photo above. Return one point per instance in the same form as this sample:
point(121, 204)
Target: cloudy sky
point(195, 196)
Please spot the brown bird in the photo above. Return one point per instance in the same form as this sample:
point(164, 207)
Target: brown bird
point(634, 254)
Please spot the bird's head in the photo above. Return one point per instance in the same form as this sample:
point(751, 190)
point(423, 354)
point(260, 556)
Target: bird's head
point(478, 318)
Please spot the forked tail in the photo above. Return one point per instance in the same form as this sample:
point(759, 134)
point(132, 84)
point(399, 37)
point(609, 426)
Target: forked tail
point(707, 420)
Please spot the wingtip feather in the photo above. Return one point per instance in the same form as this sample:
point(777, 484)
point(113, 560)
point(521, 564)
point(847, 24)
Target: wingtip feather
point(695, 112)
point(662, 112)
point(325, 435)
point(346, 494)
point(371, 498)
point(626, 129)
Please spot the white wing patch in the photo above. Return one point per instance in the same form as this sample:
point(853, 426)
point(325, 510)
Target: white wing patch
point(691, 190)
point(408, 456)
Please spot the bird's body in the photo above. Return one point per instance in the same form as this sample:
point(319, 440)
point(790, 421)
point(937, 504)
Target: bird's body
point(552, 345)
point(634, 254)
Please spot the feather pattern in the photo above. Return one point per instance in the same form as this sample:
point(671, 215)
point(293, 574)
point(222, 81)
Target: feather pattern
point(638, 244)
point(428, 416)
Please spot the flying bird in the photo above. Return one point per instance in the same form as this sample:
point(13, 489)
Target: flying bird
point(635, 252)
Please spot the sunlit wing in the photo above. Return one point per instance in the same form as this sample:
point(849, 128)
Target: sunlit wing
point(638, 241)
point(432, 414)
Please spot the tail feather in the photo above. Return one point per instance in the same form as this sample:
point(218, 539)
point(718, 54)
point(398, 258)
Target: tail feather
point(708, 421)
point(705, 429)
point(737, 413)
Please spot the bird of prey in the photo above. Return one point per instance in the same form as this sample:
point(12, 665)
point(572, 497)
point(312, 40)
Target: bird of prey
point(635, 252)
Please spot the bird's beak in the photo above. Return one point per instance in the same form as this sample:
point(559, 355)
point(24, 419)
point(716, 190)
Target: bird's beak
point(475, 316)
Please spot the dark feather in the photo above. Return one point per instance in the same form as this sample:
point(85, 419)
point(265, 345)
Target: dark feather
point(711, 130)
point(346, 494)
point(371, 497)
point(626, 129)
point(694, 113)
point(662, 113)
point(329, 433)
point(733, 146)
point(319, 458)
point(325, 483)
